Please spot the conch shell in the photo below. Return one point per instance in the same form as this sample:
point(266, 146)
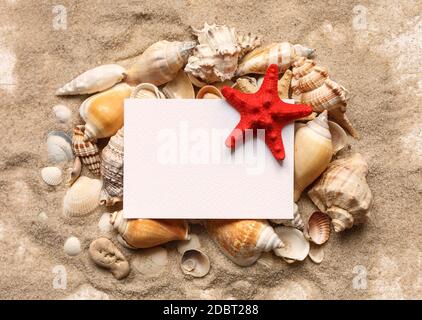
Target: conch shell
point(103, 112)
point(243, 241)
point(160, 62)
point(87, 151)
point(283, 54)
point(343, 193)
point(248, 43)
point(147, 233)
point(313, 152)
point(112, 170)
point(215, 58)
point(94, 80)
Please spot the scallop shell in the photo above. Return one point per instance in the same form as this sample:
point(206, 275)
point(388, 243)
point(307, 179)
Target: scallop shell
point(147, 233)
point(74, 172)
point(59, 147)
point(103, 112)
point(338, 136)
point(313, 152)
point(112, 170)
point(209, 92)
point(180, 87)
point(160, 62)
point(93, 80)
point(62, 113)
point(296, 222)
point(343, 193)
point(86, 151)
point(195, 263)
point(318, 228)
point(296, 247)
point(147, 91)
point(282, 54)
point(52, 176)
point(248, 43)
point(243, 241)
point(83, 197)
point(316, 253)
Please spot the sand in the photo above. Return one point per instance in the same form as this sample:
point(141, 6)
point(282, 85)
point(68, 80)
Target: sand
point(371, 47)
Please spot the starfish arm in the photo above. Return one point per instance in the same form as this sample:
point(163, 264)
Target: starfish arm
point(290, 112)
point(275, 142)
point(270, 83)
point(237, 133)
point(235, 98)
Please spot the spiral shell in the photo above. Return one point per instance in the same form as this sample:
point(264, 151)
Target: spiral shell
point(87, 151)
point(296, 222)
point(196, 263)
point(83, 197)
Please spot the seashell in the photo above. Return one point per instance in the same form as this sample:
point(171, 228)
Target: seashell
point(313, 152)
point(112, 170)
point(310, 81)
point(302, 66)
point(296, 222)
point(283, 54)
point(338, 136)
point(93, 80)
point(247, 85)
point(284, 85)
point(296, 247)
point(83, 197)
point(147, 233)
point(72, 246)
point(220, 85)
point(42, 217)
point(195, 263)
point(75, 172)
point(160, 62)
point(339, 116)
point(147, 91)
point(59, 147)
point(243, 241)
point(86, 151)
point(104, 223)
point(209, 92)
point(311, 117)
point(52, 175)
point(343, 193)
point(195, 81)
point(316, 253)
point(220, 39)
point(103, 112)
point(150, 262)
point(318, 228)
point(62, 113)
point(248, 43)
point(180, 87)
point(106, 255)
point(192, 243)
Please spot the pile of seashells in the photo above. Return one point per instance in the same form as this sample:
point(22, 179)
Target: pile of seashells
point(177, 70)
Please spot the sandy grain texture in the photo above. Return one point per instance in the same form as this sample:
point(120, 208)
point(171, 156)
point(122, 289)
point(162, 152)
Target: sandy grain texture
point(378, 58)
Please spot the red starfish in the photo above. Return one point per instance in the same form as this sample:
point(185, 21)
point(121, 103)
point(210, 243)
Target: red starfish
point(264, 110)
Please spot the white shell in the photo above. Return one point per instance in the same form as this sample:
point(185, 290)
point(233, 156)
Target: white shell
point(93, 80)
point(104, 223)
point(42, 218)
point(192, 243)
point(316, 253)
point(83, 197)
point(62, 113)
point(296, 247)
point(338, 136)
point(59, 147)
point(72, 246)
point(180, 87)
point(296, 222)
point(195, 263)
point(52, 175)
point(147, 91)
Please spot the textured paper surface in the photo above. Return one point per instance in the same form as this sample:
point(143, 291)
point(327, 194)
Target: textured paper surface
point(168, 172)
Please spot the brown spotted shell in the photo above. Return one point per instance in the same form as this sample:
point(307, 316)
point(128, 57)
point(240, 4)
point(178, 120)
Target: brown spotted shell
point(87, 151)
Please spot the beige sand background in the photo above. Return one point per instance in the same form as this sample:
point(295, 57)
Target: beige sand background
point(371, 47)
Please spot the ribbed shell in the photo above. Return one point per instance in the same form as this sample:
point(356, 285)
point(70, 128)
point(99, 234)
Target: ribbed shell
point(314, 79)
point(83, 197)
point(87, 151)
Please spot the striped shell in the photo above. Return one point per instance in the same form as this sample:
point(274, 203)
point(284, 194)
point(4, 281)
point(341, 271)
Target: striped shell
point(318, 228)
point(83, 197)
point(87, 151)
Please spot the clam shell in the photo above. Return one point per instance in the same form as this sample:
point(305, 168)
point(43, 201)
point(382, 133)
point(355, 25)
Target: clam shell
point(59, 147)
point(318, 227)
point(147, 91)
point(93, 80)
point(52, 175)
point(338, 136)
point(209, 92)
point(86, 151)
point(72, 246)
point(296, 247)
point(62, 113)
point(195, 263)
point(180, 87)
point(83, 197)
point(316, 253)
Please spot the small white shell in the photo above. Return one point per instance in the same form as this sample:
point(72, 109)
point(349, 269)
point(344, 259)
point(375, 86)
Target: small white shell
point(83, 197)
point(72, 246)
point(59, 147)
point(195, 263)
point(52, 175)
point(296, 247)
point(62, 113)
point(147, 91)
point(316, 253)
point(192, 243)
point(104, 223)
point(42, 217)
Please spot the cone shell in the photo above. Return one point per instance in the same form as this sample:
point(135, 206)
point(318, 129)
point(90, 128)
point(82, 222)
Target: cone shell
point(147, 91)
point(160, 62)
point(318, 227)
point(343, 193)
point(243, 241)
point(147, 233)
point(103, 112)
point(196, 263)
point(83, 197)
point(209, 92)
point(52, 176)
point(296, 247)
point(87, 151)
point(296, 222)
point(282, 54)
point(180, 87)
point(93, 80)
point(313, 152)
point(112, 169)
